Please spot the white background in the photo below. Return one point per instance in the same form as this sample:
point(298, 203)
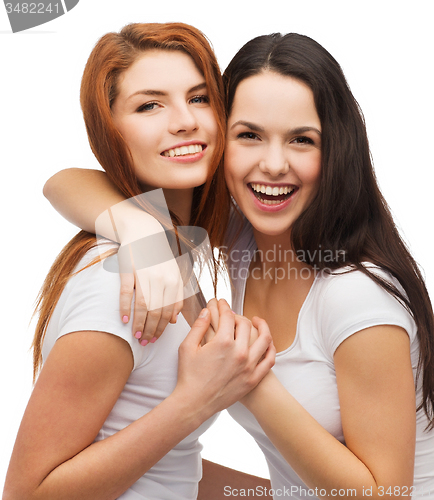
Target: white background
point(384, 47)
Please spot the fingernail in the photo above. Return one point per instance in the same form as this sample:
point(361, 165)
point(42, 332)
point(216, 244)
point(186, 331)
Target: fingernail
point(143, 342)
point(125, 319)
point(153, 340)
point(138, 335)
point(203, 313)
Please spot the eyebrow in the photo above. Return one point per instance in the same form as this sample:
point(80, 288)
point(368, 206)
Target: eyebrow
point(151, 92)
point(258, 128)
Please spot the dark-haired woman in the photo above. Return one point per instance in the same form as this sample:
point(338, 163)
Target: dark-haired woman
point(348, 407)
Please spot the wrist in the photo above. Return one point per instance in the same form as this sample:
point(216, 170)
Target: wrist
point(192, 411)
point(258, 395)
point(138, 226)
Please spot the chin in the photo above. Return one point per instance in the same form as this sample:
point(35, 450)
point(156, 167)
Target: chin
point(270, 230)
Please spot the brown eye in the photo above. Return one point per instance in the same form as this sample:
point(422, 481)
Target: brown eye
point(303, 140)
point(247, 135)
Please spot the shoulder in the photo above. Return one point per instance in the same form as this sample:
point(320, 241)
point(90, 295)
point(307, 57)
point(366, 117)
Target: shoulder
point(90, 302)
point(349, 301)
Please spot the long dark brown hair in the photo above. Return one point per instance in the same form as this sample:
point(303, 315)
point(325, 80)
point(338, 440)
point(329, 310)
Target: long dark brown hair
point(349, 215)
point(113, 54)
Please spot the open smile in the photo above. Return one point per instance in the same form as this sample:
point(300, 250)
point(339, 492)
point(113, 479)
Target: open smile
point(191, 149)
point(271, 194)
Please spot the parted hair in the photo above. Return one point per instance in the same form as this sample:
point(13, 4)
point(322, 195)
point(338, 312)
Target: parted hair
point(349, 215)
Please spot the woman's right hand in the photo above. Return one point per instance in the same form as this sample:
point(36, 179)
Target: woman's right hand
point(216, 375)
point(158, 299)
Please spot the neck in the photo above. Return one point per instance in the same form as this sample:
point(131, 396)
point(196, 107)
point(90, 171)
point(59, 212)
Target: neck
point(277, 260)
point(180, 201)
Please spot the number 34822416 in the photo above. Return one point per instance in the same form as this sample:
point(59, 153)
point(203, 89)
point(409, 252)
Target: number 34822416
point(32, 8)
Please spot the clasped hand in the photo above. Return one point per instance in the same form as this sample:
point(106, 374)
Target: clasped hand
point(235, 358)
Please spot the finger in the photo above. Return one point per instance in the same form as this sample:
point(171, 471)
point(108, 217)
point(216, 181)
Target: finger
point(166, 314)
point(152, 320)
point(264, 340)
point(126, 297)
point(179, 303)
point(198, 330)
point(140, 312)
point(213, 309)
point(153, 297)
point(264, 365)
point(226, 322)
point(243, 327)
point(210, 334)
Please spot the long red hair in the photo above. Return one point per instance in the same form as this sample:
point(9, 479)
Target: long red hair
point(113, 54)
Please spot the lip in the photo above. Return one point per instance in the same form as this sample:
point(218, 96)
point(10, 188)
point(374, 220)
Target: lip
point(191, 158)
point(271, 208)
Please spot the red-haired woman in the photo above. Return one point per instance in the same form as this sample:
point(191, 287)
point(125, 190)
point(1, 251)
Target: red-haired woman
point(348, 409)
point(109, 418)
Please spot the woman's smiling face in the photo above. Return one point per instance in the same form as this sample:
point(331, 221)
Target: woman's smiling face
point(163, 113)
point(273, 150)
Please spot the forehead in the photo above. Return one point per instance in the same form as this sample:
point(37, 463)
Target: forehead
point(162, 70)
point(270, 96)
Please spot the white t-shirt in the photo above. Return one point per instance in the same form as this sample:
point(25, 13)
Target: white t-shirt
point(90, 301)
point(336, 307)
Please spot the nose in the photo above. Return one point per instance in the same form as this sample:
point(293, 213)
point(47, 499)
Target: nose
point(274, 161)
point(183, 119)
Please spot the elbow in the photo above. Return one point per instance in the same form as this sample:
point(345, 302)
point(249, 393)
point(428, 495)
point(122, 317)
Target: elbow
point(11, 493)
point(50, 186)
point(47, 189)
point(53, 185)
point(17, 492)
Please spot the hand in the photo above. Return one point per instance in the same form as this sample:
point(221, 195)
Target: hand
point(158, 299)
point(219, 373)
point(212, 306)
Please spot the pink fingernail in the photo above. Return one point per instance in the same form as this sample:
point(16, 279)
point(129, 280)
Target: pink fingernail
point(153, 340)
point(125, 319)
point(144, 342)
point(138, 335)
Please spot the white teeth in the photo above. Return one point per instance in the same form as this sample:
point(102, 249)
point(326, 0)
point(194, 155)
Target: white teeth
point(271, 191)
point(183, 150)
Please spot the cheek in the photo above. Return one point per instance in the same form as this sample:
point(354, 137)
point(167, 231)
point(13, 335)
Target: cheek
point(231, 165)
point(310, 170)
point(210, 124)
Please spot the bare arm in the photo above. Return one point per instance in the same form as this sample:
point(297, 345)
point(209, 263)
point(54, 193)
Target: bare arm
point(218, 481)
point(81, 195)
point(377, 399)
point(55, 458)
point(88, 199)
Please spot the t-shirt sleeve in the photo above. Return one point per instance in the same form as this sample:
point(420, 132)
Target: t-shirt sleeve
point(90, 301)
point(352, 302)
